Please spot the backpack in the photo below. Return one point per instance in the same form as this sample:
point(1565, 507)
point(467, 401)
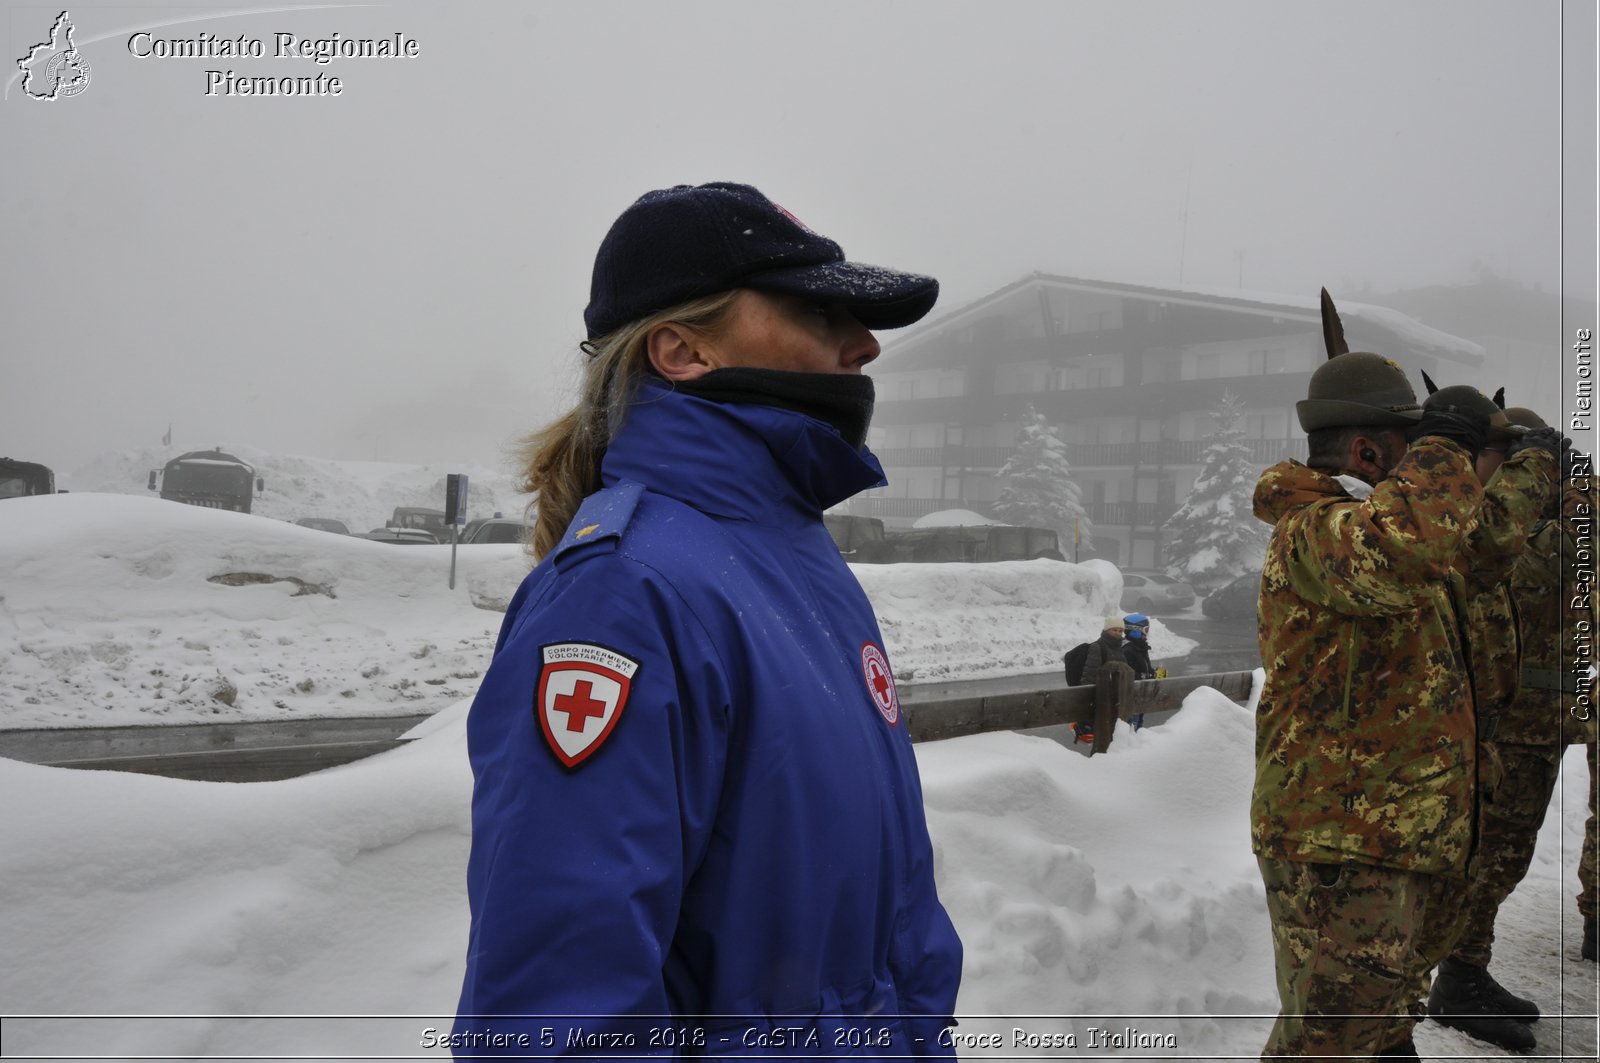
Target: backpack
point(1074, 659)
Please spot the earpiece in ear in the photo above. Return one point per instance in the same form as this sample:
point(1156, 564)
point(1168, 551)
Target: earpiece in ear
point(1368, 454)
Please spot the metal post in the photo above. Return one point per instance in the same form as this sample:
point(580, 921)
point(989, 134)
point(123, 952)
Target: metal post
point(455, 534)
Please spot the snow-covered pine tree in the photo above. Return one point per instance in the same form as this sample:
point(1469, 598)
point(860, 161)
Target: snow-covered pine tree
point(1036, 487)
point(1213, 535)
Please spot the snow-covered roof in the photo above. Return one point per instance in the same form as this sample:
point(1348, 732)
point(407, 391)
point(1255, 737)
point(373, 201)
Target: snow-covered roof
point(1409, 334)
point(212, 461)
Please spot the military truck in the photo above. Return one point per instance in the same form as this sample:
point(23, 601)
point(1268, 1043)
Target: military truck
point(18, 479)
point(211, 478)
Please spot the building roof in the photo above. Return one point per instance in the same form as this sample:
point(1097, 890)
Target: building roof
point(1407, 335)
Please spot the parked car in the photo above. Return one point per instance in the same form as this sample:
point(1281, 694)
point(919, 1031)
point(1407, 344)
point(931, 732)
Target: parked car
point(1234, 600)
point(496, 530)
point(1152, 592)
point(327, 524)
point(403, 536)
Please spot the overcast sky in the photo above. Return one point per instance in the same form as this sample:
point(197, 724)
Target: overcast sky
point(399, 272)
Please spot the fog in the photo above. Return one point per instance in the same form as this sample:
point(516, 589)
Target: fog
point(398, 272)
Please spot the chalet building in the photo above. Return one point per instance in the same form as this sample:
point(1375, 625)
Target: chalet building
point(1129, 375)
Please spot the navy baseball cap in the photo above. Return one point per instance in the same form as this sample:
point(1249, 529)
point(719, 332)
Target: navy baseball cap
point(681, 243)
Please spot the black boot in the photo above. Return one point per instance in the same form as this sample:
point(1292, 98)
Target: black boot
point(1461, 1000)
point(1590, 945)
point(1502, 1001)
point(1405, 1050)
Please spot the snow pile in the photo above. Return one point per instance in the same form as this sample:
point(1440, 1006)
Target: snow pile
point(1111, 892)
point(362, 494)
point(120, 610)
point(952, 621)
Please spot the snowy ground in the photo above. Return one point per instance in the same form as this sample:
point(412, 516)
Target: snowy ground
point(1111, 892)
point(118, 610)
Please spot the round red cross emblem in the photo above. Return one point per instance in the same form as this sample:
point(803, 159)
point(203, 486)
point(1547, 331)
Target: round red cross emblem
point(880, 682)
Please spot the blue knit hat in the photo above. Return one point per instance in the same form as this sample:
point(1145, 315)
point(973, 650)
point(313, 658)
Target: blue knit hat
point(681, 243)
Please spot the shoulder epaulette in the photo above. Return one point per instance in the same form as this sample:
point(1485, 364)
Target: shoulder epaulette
point(599, 524)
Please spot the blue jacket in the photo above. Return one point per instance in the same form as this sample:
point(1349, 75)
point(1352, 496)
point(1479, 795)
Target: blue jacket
point(696, 816)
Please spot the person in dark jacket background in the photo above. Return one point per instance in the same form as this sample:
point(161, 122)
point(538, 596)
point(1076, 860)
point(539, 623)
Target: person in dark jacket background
point(1106, 648)
point(1136, 651)
point(697, 820)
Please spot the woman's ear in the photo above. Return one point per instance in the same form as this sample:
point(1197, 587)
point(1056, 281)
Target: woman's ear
point(678, 352)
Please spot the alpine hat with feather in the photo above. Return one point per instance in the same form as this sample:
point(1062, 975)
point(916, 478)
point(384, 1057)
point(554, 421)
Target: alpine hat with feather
point(1355, 388)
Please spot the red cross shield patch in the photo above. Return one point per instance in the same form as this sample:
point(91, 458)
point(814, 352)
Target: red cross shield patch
point(880, 682)
point(583, 689)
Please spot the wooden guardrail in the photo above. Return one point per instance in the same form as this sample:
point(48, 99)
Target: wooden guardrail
point(257, 751)
point(276, 749)
point(1115, 697)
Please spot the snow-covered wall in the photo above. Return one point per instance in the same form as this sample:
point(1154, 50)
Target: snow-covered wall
point(970, 621)
point(118, 609)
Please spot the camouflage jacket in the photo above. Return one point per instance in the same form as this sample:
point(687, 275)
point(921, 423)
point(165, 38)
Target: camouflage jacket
point(1520, 490)
point(1365, 735)
point(1555, 602)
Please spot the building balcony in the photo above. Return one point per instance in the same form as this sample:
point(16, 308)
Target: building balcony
point(1127, 514)
point(916, 457)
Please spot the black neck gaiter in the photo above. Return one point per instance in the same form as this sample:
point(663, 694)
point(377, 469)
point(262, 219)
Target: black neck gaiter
point(843, 400)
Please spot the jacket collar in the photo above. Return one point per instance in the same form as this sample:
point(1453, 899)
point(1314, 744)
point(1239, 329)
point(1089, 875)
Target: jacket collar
point(1288, 486)
point(737, 460)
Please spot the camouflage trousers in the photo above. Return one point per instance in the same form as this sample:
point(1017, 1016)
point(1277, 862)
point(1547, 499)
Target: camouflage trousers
point(1348, 944)
point(1508, 828)
point(1589, 890)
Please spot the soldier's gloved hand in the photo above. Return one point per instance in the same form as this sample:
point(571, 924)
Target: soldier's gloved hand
point(1469, 429)
point(1548, 440)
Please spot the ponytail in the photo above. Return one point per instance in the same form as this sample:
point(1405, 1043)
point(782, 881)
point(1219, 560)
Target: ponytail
point(561, 461)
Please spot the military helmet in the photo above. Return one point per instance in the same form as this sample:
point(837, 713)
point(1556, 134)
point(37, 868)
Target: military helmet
point(1468, 399)
point(1521, 415)
point(1355, 389)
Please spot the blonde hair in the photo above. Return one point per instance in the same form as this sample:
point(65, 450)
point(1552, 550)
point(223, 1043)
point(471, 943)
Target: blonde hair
point(561, 461)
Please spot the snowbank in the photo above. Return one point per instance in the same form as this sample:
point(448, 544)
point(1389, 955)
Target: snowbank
point(1097, 893)
point(119, 610)
point(953, 621)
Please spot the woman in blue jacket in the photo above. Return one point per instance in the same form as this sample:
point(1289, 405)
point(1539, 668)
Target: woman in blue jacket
point(697, 822)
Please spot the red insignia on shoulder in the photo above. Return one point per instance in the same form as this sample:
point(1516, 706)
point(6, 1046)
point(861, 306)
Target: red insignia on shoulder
point(880, 682)
point(583, 689)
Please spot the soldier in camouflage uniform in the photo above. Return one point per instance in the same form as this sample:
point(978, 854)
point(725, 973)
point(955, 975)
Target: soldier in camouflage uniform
point(1545, 716)
point(1517, 492)
point(1589, 892)
point(1365, 794)
point(1580, 706)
